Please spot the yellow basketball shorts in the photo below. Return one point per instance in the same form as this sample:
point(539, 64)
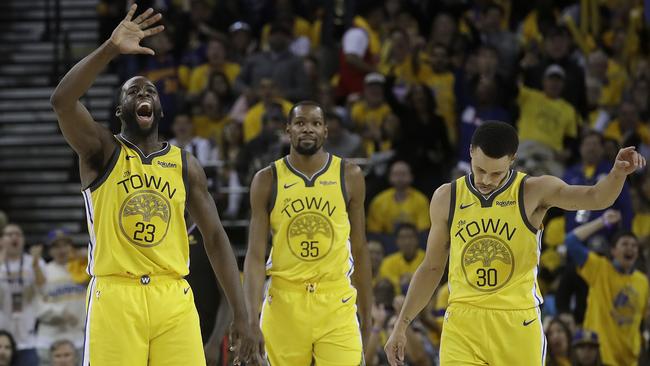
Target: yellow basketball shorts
point(474, 336)
point(141, 321)
point(305, 322)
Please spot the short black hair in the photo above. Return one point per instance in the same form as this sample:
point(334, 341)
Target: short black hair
point(496, 139)
point(310, 103)
point(405, 226)
point(588, 133)
point(620, 234)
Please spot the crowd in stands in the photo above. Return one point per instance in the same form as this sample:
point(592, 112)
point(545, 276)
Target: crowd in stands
point(404, 84)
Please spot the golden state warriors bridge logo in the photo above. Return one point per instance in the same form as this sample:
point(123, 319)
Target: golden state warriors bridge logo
point(487, 260)
point(310, 234)
point(144, 218)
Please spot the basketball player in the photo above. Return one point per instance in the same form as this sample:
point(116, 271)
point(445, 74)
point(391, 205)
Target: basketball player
point(312, 203)
point(140, 310)
point(489, 225)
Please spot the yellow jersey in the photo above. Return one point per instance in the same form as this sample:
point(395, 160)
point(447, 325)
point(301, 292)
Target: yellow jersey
point(310, 225)
point(394, 266)
point(494, 250)
point(134, 211)
point(616, 305)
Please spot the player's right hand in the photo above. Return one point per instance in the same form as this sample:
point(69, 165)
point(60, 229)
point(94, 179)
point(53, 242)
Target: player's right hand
point(394, 348)
point(128, 34)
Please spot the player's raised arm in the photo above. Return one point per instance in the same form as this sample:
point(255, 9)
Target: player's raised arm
point(258, 238)
point(86, 137)
point(362, 277)
point(549, 191)
point(217, 246)
point(426, 277)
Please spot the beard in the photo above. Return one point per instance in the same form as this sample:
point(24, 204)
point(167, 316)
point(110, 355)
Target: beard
point(309, 150)
point(131, 125)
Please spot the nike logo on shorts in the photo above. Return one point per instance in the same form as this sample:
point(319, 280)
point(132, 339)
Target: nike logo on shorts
point(527, 323)
point(185, 290)
point(346, 300)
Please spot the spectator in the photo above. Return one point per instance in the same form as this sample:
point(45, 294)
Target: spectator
point(398, 60)
point(423, 139)
point(216, 62)
point(586, 349)
point(340, 141)
point(210, 117)
point(641, 223)
point(438, 76)
point(398, 204)
point(484, 107)
point(219, 84)
point(369, 113)
point(492, 33)
point(629, 125)
point(359, 53)
point(270, 99)
point(265, 148)
point(545, 121)
point(591, 169)
point(618, 293)
point(61, 313)
point(185, 138)
point(242, 41)
point(22, 277)
point(278, 64)
point(7, 348)
point(64, 353)
point(611, 75)
point(559, 343)
point(376, 250)
point(399, 267)
point(598, 116)
point(556, 49)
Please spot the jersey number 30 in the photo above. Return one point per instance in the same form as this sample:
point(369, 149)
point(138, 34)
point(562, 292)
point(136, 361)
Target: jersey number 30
point(486, 277)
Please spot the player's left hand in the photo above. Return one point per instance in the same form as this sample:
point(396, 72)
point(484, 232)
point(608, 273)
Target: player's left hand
point(628, 160)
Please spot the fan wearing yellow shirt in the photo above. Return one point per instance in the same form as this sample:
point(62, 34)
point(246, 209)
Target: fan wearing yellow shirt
point(369, 113)
point(628, 122)
point(488, 224)
point(618, 293)
point(216, 55)
point(399, 267)
point(312, 204)
point(140, 310)
point(546, 118)
point(398, 204)
point(269, 100)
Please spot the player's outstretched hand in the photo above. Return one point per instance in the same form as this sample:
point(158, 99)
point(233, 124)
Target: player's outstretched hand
point(128, 34)
point(628, 160)
point(394, 348)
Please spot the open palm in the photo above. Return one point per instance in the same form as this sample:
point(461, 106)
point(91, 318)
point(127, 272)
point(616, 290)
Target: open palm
point(128, 34)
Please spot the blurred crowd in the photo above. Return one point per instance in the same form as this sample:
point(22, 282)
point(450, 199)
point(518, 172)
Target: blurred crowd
point(404, 84)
